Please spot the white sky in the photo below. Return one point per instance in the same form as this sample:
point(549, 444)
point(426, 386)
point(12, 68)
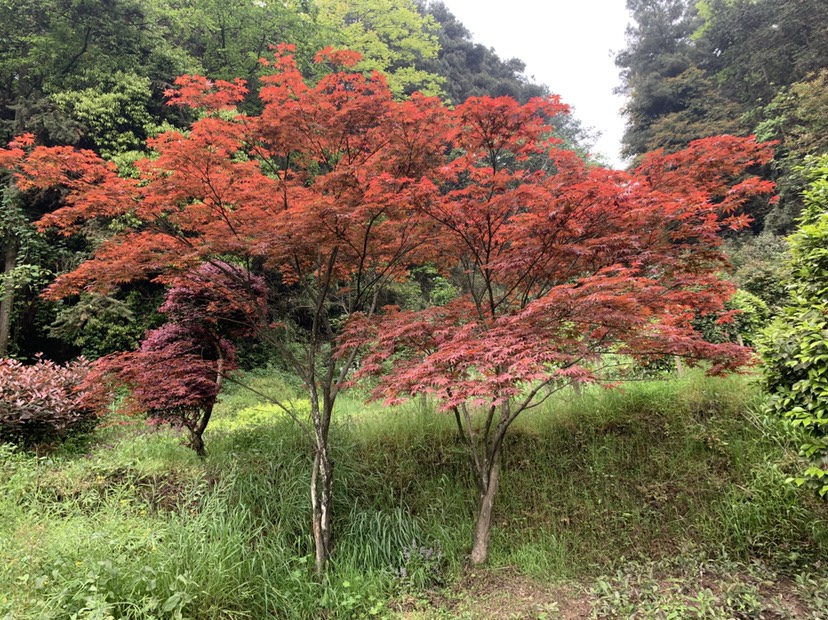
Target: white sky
point(569, 45)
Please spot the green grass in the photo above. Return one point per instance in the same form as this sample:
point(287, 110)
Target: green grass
point(133, 525)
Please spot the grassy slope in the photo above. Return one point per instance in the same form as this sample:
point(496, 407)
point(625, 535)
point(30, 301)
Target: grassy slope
point(668, 498)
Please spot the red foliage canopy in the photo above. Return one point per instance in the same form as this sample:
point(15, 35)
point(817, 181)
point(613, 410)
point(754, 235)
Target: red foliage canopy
point(336, 182)
point(172, 377)
point(564, 262)
point(331, 173)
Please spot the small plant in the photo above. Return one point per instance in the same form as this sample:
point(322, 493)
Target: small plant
point(420, 566)
point(690, 588)
point(42, 401)
point(814, 591)
point(354, 600)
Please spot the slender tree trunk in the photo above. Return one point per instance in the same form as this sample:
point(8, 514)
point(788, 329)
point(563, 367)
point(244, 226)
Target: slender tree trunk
point(7, 300)
point(487, 492)
point(197, 433)
point(321, 485)
point(321, 474)
point(679, 366)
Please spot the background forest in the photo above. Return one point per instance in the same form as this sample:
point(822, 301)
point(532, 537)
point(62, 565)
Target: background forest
point(676, 495)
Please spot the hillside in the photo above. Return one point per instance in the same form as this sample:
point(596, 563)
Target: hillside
point(664, 498)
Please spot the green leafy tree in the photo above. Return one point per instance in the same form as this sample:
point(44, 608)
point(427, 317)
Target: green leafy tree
point(700, 110)
point(228, 37)
point(659, 48)
point(797, 119)
point(392, 36)
point(760, 267)
point(98, 325)
point(754, 47)
point(113, 116)
point(696, 67)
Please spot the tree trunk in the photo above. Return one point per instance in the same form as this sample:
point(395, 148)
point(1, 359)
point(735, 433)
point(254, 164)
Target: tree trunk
point(197, 432)
point(197, 441)
point(485, 508)
point(321, 483)
point(7, 299)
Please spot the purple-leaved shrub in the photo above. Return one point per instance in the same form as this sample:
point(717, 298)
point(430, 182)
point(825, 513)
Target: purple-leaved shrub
point(44, 400)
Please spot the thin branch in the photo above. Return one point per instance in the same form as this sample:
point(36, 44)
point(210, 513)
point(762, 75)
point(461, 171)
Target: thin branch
point(288, 410)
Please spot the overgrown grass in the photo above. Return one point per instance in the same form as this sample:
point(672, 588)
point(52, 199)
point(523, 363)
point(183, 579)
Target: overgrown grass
point(133, 525)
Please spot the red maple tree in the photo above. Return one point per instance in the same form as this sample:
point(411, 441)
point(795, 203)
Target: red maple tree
point(320, 193)
point(563, 267)
point(177, 372)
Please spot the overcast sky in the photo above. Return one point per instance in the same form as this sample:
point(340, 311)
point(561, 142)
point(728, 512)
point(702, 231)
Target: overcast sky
point(569, 45)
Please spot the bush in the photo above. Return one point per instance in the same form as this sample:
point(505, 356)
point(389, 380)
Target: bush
point(761, 267)
point(795, 349)
point(43, 401)
point(751, 316)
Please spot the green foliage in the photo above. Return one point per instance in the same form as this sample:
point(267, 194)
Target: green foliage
point(797, 119)
point(795, 349)
point(114, 113)
point(696, 109)
point(658, 49)
point(392, 36)
point(751, 316)
point(55, 47)
point(31, 270)
point(38, 257)
point(426, 286)
point(26, 275)
point(760, 267)
point(86, 72)
point(227, 38)
point(762, 44)
point(99, 324)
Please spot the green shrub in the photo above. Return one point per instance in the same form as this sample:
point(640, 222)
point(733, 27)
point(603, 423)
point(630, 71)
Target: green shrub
point(795, 347)
point(760, 267)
